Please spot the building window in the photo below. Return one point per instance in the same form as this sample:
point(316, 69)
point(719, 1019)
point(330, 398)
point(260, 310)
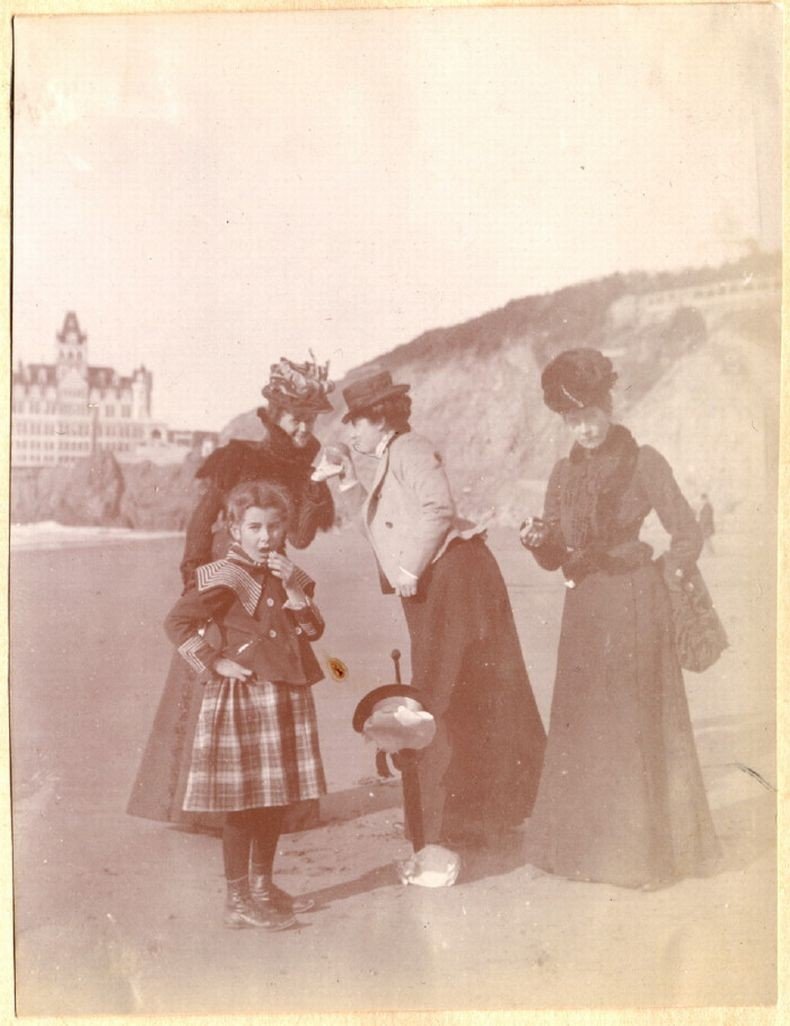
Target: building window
point(35, 407)
point(22, 427)
point(126, 411)
point(109, 411)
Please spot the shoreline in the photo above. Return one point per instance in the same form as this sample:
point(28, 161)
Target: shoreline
point(48, 534)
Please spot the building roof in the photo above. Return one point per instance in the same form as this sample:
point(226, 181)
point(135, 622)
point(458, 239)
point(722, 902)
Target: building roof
point(46, 373)
point(71, 326)
point(33, 373)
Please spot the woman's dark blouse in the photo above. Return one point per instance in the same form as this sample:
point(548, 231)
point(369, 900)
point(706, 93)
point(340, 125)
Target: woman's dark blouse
point(652, 487)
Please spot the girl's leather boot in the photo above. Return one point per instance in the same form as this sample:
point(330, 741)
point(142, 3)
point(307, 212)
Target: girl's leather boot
point(242, 912)
point(268, 895)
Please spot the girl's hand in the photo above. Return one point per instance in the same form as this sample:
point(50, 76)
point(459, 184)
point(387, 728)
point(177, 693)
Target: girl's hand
point(533, 533)
point(230, 670)
point(281, 567)
point(406, 584)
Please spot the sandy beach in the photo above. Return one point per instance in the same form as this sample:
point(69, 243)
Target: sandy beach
point(119, 915)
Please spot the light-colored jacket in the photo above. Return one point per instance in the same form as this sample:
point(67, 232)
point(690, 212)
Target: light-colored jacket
point(409, 514)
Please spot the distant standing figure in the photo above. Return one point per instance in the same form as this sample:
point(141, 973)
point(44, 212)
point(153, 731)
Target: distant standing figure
point(706, 524)
point(621, 798)
point(479, 775)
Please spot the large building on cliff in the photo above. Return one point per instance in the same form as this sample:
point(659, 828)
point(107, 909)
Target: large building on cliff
point(64, 411)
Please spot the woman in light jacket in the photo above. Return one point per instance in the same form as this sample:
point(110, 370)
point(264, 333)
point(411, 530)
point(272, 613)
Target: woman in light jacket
point(621, 799)
point(480, 774)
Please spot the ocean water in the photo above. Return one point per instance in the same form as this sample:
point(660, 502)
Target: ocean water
point(47, 534)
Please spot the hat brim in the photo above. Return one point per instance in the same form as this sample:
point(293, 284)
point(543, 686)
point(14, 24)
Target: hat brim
point(310, 405)
point(358, 409)
point(372, 698)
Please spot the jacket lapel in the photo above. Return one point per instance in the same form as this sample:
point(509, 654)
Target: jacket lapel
point(373, 495)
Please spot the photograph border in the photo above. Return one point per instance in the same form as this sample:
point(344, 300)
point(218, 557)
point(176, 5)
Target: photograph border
point(708, 1016)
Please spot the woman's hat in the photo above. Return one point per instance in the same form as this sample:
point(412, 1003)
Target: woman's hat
point(365, 392)
point(366, 705)
point(395, 717)
point(301, 388)
point(577, 378)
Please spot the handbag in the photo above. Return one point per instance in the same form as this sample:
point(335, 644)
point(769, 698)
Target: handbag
point(700, 637)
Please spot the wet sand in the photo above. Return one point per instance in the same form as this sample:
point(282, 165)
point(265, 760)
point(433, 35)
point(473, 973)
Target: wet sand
point(120, 915)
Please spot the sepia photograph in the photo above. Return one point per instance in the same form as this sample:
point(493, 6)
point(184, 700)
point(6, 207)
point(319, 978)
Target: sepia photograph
point(394, 466)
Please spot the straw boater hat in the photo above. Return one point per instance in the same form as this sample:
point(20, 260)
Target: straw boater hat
point(577, 378)
point(395, 716)
point(301, 388)
point(365, 392)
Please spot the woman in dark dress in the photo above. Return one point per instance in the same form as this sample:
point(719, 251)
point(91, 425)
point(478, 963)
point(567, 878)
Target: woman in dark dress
point(479, 775)
point(296, 394)
point(621, 798)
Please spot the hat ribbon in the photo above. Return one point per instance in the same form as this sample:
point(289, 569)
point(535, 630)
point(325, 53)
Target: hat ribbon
point(572, 398)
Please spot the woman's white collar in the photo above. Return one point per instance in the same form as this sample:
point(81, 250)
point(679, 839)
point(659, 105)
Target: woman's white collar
point(381, 448)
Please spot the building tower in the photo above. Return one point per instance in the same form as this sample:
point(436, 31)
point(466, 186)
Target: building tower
point(142, 381)
point(72, 348)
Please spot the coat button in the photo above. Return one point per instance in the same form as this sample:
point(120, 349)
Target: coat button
point(272, 634)
point(298, 630)
point(269, 601)
point(387, 523)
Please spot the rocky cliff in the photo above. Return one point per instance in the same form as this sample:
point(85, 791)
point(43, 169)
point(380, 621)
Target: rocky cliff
point(698, 360)
point(98, 490)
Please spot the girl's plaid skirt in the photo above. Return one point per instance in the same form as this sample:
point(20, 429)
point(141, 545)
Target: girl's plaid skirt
point(256, 745)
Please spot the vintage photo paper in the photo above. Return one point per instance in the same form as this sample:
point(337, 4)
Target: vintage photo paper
point(394, 405)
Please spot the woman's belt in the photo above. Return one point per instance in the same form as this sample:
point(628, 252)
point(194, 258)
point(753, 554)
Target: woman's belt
point(605, 558)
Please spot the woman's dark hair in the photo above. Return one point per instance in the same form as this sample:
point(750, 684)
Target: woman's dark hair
point(257, 493)
point(274, 410)
point(395, 412)
point(603, 402)
point(271, 411)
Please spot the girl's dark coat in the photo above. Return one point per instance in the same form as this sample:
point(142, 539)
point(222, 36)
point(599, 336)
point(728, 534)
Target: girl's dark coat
point(158, 789)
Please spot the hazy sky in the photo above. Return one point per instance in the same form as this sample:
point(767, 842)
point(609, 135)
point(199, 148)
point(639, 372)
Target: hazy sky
point(211, 192)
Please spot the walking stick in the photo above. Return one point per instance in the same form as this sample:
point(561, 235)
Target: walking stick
point(410, 781)
point(379, 711)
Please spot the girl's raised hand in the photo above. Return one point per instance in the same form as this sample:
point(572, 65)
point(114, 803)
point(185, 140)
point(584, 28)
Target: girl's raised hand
point(281, 567)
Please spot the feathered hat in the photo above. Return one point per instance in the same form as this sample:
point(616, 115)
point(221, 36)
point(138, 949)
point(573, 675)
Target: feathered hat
point(299, 387)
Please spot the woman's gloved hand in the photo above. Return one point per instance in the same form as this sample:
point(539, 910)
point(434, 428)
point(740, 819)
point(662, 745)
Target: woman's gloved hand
point(533, 533)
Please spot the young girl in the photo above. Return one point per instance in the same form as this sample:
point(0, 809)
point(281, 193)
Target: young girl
point(256, 745)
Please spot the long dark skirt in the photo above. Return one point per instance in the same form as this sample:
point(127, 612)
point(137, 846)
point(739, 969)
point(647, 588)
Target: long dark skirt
point(621, 798)
point(480, 774)
point(160, 785)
